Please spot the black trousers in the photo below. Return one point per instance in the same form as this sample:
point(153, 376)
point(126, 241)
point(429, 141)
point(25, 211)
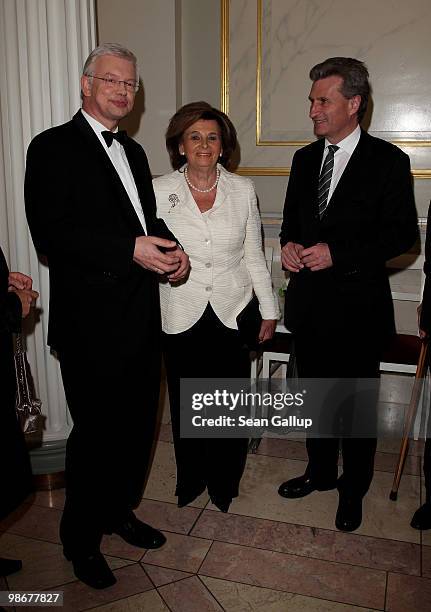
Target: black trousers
point(206, 350)
point(343, 354)
point(113, 402)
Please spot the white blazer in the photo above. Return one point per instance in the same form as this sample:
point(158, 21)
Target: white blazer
point(225, 249)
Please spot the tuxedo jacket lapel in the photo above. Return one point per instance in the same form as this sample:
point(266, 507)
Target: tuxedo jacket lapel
point(120, 197)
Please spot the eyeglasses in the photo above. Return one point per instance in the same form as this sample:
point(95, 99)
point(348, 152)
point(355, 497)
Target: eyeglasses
point(129, 85)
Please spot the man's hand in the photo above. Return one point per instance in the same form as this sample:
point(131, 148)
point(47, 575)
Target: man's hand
point(183, 268)
point(267, 329)
point(20, 281)
point(317, 257)
point(291, 255)
point(149, 256)
point(27, 297)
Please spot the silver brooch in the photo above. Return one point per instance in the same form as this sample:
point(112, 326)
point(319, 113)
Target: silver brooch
point(174, 200)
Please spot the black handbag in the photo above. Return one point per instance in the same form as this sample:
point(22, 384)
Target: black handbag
point(249, 321)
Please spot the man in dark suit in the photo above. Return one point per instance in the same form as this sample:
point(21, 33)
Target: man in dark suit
point(349, 208)
point(91, 211)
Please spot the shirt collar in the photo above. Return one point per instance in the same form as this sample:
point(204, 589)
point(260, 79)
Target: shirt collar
point(348, 143)
point(96, 125)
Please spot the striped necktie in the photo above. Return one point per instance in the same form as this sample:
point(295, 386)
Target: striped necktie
point(325, 179)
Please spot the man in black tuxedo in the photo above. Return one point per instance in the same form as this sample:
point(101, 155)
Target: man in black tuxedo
point(349, 208)
point(91, 211)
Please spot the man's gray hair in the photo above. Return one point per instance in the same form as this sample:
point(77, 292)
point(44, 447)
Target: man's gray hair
point(109, 49)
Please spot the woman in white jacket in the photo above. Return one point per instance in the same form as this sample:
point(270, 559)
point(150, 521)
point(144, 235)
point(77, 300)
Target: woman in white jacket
point(214, 215)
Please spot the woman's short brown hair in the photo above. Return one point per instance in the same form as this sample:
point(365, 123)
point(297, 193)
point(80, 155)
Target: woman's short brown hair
point(189, 114)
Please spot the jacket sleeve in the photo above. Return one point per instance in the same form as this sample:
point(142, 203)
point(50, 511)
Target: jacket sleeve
point(290, 228)
point(397, 227)
point(52, 188)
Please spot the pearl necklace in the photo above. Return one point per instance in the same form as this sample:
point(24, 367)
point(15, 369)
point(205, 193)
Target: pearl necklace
point(213, 186)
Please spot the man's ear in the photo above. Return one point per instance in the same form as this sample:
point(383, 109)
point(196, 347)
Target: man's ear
point(86, 85)
point(354, 104)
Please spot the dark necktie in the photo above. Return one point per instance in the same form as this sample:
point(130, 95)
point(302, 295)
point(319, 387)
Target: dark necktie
point(109, 136)
point(325, 179)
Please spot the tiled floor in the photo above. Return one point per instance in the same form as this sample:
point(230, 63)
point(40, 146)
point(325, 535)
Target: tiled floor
point(267, 554)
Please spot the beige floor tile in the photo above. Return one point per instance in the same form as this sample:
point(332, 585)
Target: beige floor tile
point(378, 553)
point(115, 546)
point(131, 580)
point(236, 597)
point(386, 462)
point(311, 577)
point(382, 518)
point(189, 595)
point(161, 482)
point(167, 516)
point(385, 518)
point(426, 561)
point(184, 553)
point(160, 575)
point(34, 522)
point(408, 594)
point(44, 566)
point(258, 494)
point(150, 601)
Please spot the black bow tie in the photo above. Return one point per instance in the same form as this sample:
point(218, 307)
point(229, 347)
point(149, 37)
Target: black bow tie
point(109, 136)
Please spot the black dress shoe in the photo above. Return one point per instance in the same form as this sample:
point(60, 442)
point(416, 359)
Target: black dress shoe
point(349, 513)
point(300, 487)
point(93, 570)
point(135, 532)
point(422, 517)
point(9, 566)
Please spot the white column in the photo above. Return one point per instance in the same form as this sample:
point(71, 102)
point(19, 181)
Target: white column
point(43, 45)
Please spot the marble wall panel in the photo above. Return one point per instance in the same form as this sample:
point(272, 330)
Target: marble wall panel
point(273, 43)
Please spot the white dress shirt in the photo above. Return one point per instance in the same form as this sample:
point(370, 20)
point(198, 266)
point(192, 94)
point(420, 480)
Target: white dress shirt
point(118, 157)
point(341, 157)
